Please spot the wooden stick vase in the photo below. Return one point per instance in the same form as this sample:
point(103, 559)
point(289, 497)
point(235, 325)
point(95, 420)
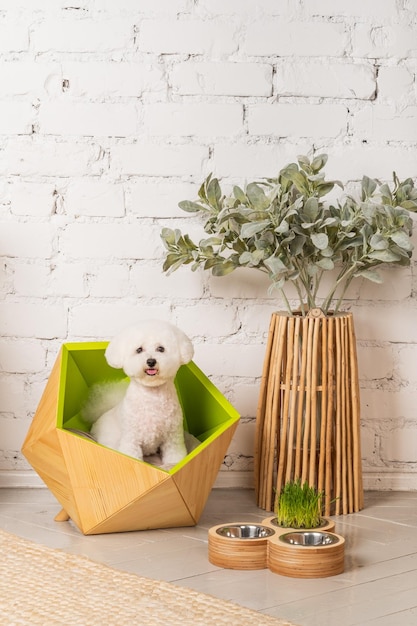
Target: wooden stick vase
point(105, 491)
point(308, 419)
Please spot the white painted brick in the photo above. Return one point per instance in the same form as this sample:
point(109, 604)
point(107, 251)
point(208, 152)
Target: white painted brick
point(95, 198)
point(243, 442)
point(394, 83)
point(82, 35)
point(149, 159)
point(21, 356)
point(299, 120)
point(383, 122)
point(351, 162)
point(14, 34)
point(238, 463)
point(103, 321)
point(145, 6)
point(16, 118)
point(382, 404)
point(118, 240)
point(105, 79)
point(395, 323)
point(354, 8)
point(406, 367)
point(150, 282)
point(222, 79)
point(384, 41)
point(325, 79)
point(221, 359)
point(397, 285)
point(27, 78)
point(285, 39)
point(6, 276)
point(4, 191)
point(30, 198)
point(43, 320)
point(26, 240)
point(374, 362)
point(13, 402)
point(88, 119)
point(193, 119)
point(158, 199)
point(213, 37)
point(369, 445)
point(28, 157)
point(14, 431)
point(109, 281)
point(399, 444)
point(199, 320)
point(247, 7)
point(411, 5)
point(249, 161)
point(255, 317)
point(376, 404)
point(245, 399)
point(54, 5)
point(40, 280)
point(68, 279)
point(31, 279)
point(242, 283)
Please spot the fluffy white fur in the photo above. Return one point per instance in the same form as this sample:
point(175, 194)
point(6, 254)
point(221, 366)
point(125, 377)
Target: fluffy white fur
point(142, 416)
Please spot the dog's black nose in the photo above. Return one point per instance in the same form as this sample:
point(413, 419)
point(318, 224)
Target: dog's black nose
point(151, 362)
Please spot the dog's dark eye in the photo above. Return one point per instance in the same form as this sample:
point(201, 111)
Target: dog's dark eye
point(160, 349)
point(139, 350)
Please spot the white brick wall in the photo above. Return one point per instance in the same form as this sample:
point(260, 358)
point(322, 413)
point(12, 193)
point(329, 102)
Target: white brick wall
point(214, 37)
point(287, 38)
point(112, 112)
point(222, 79)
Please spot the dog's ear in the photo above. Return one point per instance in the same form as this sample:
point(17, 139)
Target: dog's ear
point(185, 346)
point(115, 352)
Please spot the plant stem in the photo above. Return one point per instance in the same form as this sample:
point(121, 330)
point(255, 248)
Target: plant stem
point(287, 304)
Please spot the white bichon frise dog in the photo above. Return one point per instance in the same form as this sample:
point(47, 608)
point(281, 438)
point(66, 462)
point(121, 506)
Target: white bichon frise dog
point(142, 416)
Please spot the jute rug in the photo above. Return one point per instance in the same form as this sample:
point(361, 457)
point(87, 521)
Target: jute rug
point(41, 586)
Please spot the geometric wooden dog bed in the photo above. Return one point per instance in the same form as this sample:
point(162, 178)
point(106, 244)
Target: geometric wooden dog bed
point(105, 491)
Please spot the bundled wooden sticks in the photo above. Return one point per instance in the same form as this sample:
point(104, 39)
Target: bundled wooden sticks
point(308, 420)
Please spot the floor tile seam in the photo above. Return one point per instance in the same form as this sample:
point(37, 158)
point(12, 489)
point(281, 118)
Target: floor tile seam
point(200, 540)
point(377, 519)
point(376, 620)
point(328, 607)
point(31, 525)
point(180, 581)
point(378, 579)
point(346, 587)
point(147, 557)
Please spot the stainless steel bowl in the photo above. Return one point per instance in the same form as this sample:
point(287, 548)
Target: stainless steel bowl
point(245, 531)
point(309, 538)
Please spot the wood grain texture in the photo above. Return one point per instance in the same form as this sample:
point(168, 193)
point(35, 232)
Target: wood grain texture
point(105, 491)
point(308, 419)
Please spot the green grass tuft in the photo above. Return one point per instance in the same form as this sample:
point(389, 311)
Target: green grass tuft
point(299, 506)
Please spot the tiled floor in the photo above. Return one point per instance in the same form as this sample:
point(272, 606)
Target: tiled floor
point(378, 587)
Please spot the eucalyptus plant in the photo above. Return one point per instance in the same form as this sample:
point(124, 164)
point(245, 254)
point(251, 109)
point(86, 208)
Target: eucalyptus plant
point(284, 228)
point(299, 506)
